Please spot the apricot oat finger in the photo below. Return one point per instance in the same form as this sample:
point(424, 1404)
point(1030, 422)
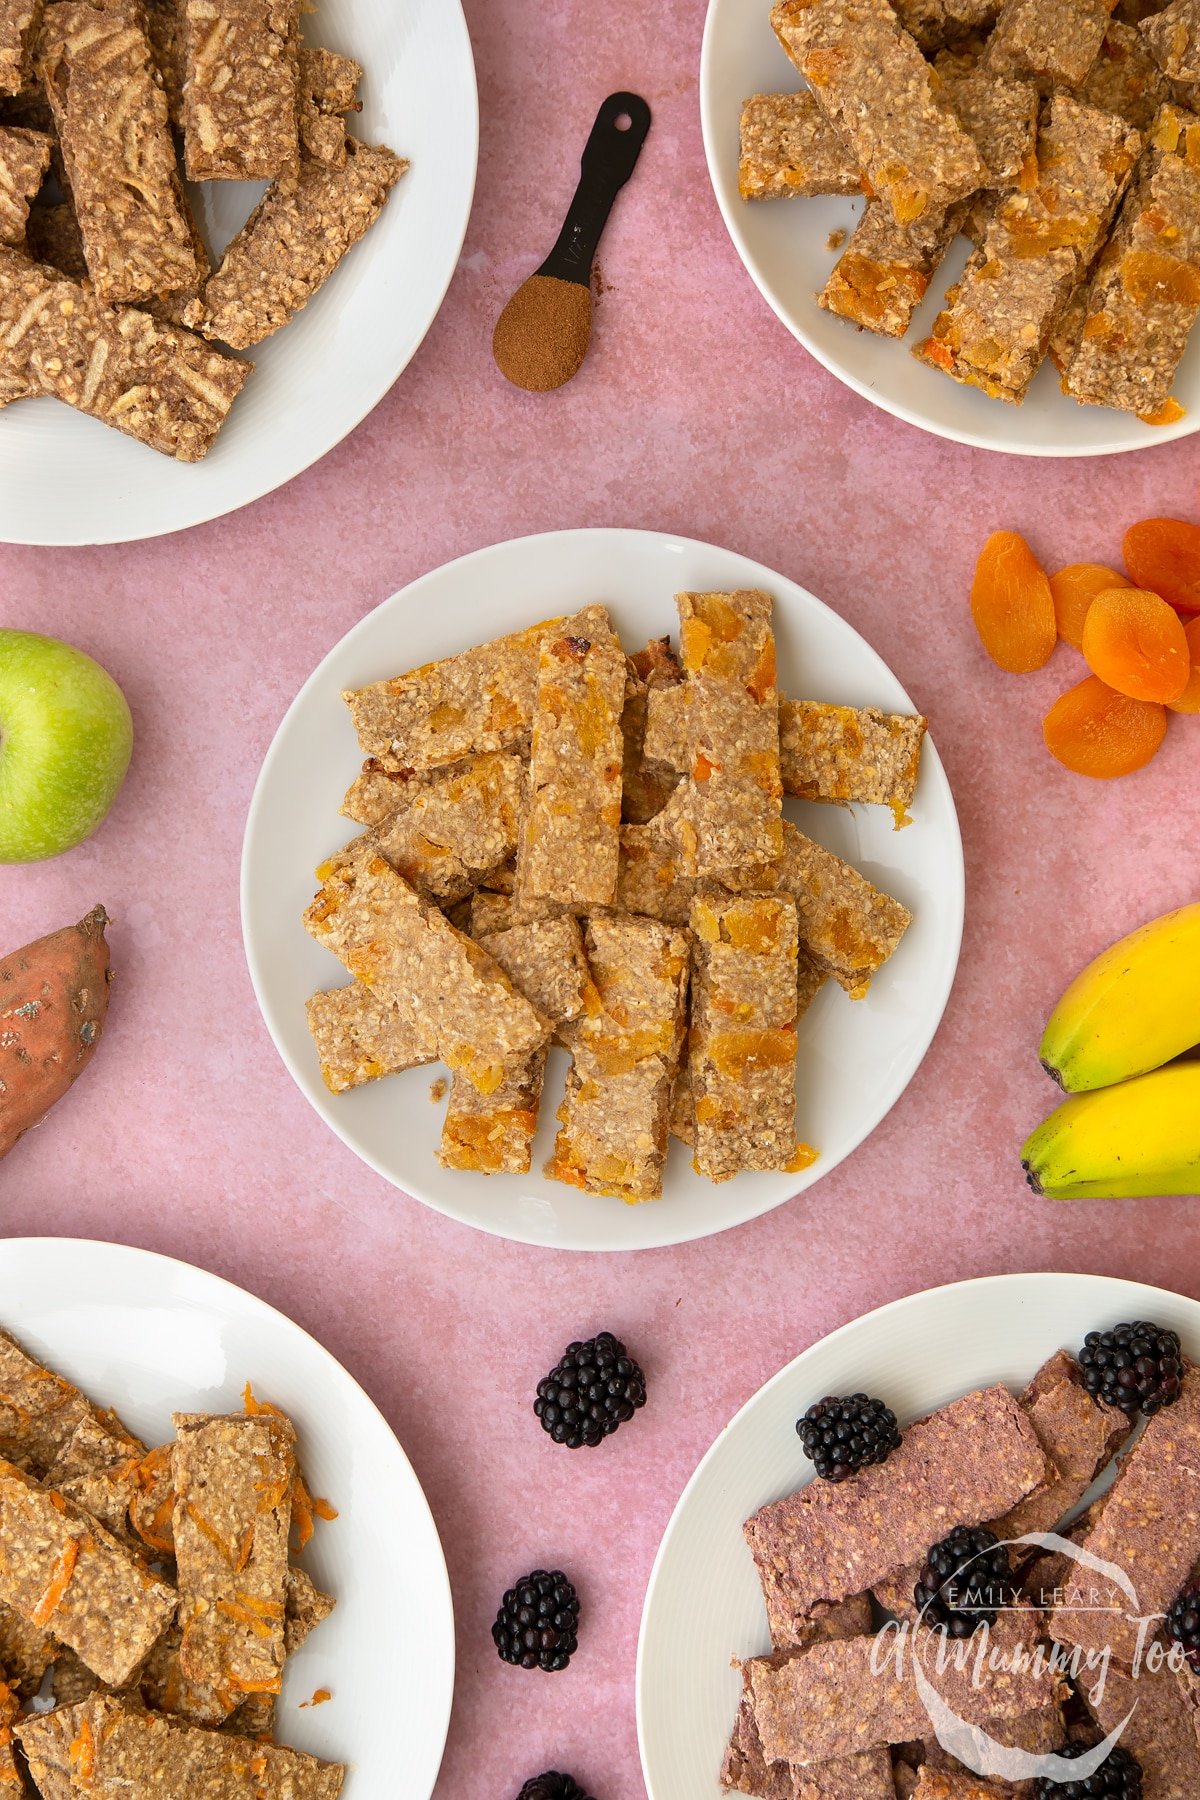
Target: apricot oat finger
point(240, 99)
point(444, 831)
point(293, 241)
point(788, 148)
point(359, 1037)
point(24, 159)
point(1055, 41)
point(19, 20)
point(117, 150)
point(850, 755)
point(1173, 38)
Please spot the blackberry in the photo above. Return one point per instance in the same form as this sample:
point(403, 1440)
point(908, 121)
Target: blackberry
point(593, 1388)
point(538, 1622)
point(965, 1581)
point(1183, 1623)
point(1119, 1777)
point(1137, 1367)
point(843, 1433)
point(552, 1786)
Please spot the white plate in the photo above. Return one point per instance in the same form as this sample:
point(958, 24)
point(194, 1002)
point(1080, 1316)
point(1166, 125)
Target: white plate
point(151, 1336)
point(704, 1604)
point(856, 1058)
point(65, 479)
point(783, 245)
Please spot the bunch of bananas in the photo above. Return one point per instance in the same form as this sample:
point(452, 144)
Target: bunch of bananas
point(1132, 1124)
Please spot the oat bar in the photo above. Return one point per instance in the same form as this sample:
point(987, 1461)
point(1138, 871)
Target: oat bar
point(154, 382)
point(26, 1652)
point(233, 1508)
point(480, 700)
point(745, 1770)
point(834, 1699)
point(999, 319)
point(884, 272)
point(360, 1037)
point(625, 1050)
point(742, 1039)
point(1145, 296)
point(1158, 1715)
point(408, 953)
point(1173, 39)
point(847, 926)
point(567, 855)
point(62, 1571)
point(19, 20)
point(645, 790)
point(973, 1460)
point(1056, 41)
point(492, 1134)
point(240, 100)
point(293, 241)
point(727, 811)
point(850, 754)
point(107, 1749)
point(97, 1468)
point(935, 23)
point(52, 236)
point(788, 147)
point(1079, 1434)
point(165, 29)
point(39, 1410)
point(448, 829)
point(117, 150)
point(1149, 1526)
point(24, 159)
point(877, 89)
point(328, 91)
point(1125, 79)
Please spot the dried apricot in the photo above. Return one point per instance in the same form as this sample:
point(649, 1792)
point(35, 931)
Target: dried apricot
point(1189, 700)
point(1074, 588)
point(1012, 605)
point(1133, 640)
point(1163, 555)
point(1096, 731)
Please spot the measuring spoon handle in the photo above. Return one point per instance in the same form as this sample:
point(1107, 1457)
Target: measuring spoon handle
point(608, 160)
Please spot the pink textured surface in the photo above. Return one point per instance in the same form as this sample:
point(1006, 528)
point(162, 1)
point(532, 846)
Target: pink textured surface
point(695, 412)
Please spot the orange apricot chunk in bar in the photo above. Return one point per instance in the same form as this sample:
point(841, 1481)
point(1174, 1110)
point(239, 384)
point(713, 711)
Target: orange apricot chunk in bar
point(1135, 643)
point(1012, 604)
point(1189, 700)
point(1093, 730)
point(1073, 589)
point(1163, 555)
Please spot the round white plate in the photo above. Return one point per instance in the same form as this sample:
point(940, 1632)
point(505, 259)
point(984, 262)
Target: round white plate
point(65, 479)
point(855, 1057)
point(152, 1336)
point(704, 1604)
point(783, 245)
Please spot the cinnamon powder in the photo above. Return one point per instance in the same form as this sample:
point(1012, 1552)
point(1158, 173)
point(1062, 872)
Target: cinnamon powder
point(542, 335)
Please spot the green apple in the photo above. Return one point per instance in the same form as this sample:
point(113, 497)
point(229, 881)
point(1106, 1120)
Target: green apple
point(65, 742)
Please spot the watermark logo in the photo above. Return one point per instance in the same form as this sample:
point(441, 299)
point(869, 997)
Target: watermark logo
point(949, 1671)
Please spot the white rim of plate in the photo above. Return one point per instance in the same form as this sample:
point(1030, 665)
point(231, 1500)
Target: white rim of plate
point(711, 131)
point(100, 1249)
point(788, 1373)
point(767, 578)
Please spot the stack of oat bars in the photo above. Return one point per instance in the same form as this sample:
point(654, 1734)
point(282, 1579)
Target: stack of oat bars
point(151, 1593)
point(108, 299)
point(827, 1714)
point(1059, 136)
point(567, 844)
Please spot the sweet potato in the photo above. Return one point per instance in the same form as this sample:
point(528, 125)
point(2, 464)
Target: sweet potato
point(53, 1002)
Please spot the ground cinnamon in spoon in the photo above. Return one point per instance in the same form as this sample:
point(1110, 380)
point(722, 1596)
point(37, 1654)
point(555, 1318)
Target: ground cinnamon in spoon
point(542, 335)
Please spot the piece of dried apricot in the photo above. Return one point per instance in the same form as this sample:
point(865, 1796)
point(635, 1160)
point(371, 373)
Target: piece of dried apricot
point(1135, 643)
point(1012, 605)
point(1163, 555)
point(1074, 588)
point(1095, 731)
point(1189, 700)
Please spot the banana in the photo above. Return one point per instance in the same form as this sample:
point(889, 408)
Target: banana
point(1133, 1009)
point(1138, 1139)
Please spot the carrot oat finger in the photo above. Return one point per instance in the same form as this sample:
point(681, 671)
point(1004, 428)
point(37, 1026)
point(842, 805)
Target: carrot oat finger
point(1053, 40)
point(97, 1468)
point(480, 700)
point(39, 1410)
point(156, 383)
point(233, 1508)
point(328, 91)
point(567, 853)
point(625, 1049)
point(19, 21)
point(1145, 296)
point(1000, 317)
point(789, 147)
point(409, 954)
point(293, 241)
point(877, 89)
point(24, 159)
point(742, 1040)
point(62, 1571)
point(240, 99)
point(117, 149)
point(360, 1037)
point(728, 809)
